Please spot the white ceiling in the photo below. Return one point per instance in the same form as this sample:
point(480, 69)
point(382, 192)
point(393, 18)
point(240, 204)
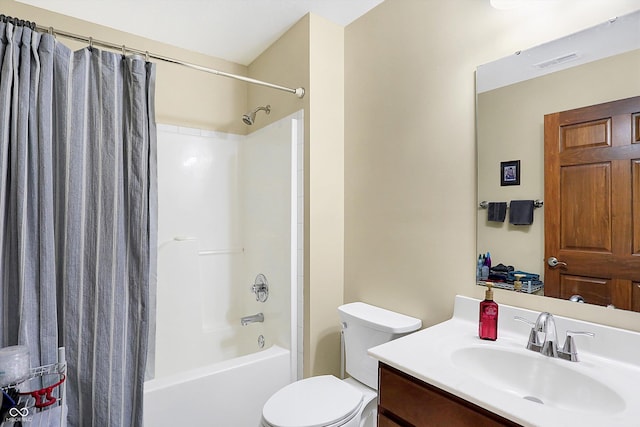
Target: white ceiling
point(235, 30)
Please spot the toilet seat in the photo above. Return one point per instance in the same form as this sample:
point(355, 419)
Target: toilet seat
point(323, 401)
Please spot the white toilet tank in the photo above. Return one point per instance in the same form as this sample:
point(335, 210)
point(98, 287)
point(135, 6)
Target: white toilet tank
point(365, 326)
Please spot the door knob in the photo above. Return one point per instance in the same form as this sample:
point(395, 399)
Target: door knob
point(576, 298)
point(553, 262)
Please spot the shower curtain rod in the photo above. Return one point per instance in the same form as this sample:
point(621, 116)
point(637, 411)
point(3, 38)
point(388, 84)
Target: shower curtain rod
point(299, 92)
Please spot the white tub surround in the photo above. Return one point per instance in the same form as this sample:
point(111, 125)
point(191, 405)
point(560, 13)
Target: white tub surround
point(228, 393)
point(600, 389)
point(230, 208)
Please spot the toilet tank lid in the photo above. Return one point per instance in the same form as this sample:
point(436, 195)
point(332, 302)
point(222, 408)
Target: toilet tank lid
point(379, 318)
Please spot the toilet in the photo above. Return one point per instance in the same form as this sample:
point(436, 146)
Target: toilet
point(327, 401)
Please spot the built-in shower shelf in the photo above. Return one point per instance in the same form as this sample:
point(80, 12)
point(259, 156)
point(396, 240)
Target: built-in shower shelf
point(220, 252)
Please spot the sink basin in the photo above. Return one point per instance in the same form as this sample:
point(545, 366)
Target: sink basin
point(523, 386)
point(538, 378)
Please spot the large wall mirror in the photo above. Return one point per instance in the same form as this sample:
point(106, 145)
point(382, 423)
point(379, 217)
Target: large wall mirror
point(595, 66)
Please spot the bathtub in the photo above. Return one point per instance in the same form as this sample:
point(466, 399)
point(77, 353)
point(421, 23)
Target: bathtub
point(230, 393)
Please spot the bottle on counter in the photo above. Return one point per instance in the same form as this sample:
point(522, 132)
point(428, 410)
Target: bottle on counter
point(488, 322)
point(484, 272)
point(517, 284)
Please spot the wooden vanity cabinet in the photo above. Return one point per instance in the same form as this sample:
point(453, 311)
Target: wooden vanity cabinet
point(405, 401)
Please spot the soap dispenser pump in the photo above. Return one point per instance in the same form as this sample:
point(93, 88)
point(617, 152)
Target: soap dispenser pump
point(488, 322)
point(517, 284)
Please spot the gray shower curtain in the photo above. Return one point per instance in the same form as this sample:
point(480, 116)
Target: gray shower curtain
point(78, 216)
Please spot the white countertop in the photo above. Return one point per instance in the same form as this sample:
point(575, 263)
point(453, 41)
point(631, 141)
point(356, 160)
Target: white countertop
point(612, 358)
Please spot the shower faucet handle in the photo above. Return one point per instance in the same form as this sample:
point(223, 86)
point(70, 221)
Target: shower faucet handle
point(260, 287)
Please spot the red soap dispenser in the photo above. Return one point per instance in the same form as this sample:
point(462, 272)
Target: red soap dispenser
point(488, 323)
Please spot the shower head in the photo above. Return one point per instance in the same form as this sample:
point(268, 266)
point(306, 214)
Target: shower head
point(249, 118)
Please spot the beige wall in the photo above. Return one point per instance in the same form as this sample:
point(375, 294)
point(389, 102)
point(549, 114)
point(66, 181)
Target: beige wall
point(410, 165)
point(311, 54)
point(286, 63)
point(325, 251)
point(183, 96)
point(511, 126)
point(389, 142)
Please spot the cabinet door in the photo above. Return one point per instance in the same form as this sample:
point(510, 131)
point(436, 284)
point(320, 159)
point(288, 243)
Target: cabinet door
point(386, 422)
point(415, 403)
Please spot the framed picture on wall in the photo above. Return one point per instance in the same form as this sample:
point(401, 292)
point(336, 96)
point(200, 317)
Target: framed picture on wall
point(510, 173)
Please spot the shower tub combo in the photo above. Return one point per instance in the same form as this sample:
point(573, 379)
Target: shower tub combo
point(229, 219)
point(223, 394)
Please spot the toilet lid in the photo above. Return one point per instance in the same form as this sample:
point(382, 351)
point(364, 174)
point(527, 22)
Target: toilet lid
point(313, 402)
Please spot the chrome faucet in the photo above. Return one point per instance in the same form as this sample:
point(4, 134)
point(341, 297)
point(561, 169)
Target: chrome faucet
point(543, 338)
point(546, 325)
point(252, 319)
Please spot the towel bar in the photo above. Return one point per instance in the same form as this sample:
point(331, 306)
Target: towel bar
point(536, 204)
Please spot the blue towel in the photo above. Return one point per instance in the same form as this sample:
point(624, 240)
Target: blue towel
point(527, 276)
point(521, 212)
point(497, 211)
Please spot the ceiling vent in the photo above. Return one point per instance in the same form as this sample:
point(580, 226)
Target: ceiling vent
point(557, 61)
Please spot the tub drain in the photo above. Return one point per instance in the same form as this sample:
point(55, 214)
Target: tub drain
point(260, 341)
point(533, 399)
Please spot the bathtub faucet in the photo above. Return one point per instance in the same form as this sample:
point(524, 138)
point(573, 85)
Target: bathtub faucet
point(252, 319)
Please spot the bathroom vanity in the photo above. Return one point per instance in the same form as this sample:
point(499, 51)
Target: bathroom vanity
point(446, 375)
point(405, 400)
